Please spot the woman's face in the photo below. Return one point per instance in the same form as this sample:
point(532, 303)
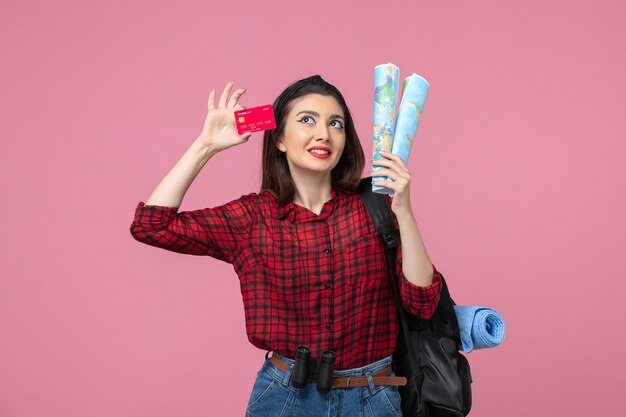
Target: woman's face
point(314, 135)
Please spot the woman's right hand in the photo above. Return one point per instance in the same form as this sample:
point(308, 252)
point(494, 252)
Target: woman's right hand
point(220, 131)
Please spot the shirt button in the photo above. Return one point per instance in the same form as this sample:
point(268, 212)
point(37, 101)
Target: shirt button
point(326, 250)
point(328, 286)
point(328, 327)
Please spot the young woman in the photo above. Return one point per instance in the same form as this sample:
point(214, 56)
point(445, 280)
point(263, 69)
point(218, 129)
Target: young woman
point(312, 267)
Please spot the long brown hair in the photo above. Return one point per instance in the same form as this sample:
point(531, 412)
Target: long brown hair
point(276, 175)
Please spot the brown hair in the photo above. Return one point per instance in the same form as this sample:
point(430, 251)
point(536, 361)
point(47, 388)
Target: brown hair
point(276, 176)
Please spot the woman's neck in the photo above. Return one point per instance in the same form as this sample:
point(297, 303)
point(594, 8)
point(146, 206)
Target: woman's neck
point(312, 192)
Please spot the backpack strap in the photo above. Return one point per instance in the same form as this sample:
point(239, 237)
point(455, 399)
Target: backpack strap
point(378, 207)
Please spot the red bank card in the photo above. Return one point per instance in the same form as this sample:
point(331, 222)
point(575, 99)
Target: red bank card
point(255, 119)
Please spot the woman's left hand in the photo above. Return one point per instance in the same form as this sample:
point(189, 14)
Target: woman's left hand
point(400, 181)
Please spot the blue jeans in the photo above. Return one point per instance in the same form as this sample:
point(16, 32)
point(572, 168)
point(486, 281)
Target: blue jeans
point(273, 395)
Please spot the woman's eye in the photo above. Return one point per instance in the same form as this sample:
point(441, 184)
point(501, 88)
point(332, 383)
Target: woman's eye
point(337, 124)
point(307, 120)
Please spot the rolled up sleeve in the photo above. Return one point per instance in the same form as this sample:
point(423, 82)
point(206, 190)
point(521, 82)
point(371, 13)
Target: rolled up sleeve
point(419, 301)
point(214, 232)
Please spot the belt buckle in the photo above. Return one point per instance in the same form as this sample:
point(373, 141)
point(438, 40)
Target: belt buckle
point(348, 382)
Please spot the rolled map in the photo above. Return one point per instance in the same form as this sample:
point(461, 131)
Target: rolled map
point(414, 93)
point(479, 327)
point(386, 83)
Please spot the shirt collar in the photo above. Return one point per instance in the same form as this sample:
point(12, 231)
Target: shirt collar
point(299, 214)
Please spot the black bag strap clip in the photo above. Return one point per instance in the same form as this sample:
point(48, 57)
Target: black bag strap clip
point(391, 235)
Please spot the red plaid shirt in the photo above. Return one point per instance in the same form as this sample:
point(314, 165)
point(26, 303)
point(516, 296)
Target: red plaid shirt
point(306, 279)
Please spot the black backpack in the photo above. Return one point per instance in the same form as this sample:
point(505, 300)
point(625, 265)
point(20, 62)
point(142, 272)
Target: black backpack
point(438, 375)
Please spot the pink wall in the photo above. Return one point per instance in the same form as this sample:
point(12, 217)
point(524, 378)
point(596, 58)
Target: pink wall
point(518, 189)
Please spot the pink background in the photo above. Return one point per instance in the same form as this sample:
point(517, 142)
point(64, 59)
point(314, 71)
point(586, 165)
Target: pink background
point(518, 188)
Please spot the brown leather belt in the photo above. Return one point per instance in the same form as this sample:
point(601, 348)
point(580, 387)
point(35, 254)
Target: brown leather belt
point(381, 377)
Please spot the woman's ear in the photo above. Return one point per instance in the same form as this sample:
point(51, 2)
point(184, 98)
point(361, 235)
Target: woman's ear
point(281, 146)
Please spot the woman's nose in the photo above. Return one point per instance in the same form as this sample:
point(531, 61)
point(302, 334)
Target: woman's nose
point(322, 132)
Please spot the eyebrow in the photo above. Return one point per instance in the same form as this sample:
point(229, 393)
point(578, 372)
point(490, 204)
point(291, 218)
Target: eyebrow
point(316, 114)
